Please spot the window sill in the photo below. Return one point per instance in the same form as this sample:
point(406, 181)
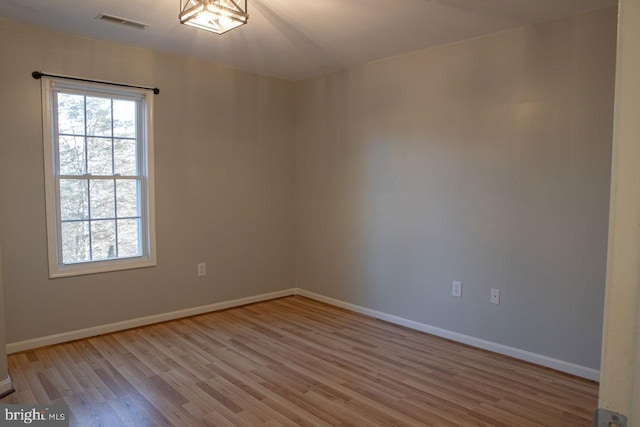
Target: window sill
point(82, 269)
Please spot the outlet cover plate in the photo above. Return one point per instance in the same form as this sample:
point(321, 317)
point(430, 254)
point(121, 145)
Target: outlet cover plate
point(202, 269)
point(495, 296)
point(456, 289)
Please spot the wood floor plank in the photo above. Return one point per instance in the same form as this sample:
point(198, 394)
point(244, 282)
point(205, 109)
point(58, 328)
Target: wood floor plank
point(293, 362)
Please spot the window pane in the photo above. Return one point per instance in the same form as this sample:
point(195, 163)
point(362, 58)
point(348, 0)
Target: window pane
point(103, 204)
point(103, 239)
point(129, 237)
point(70, 114)
point(124, 118)
point(98, 116)
point(74, 201)
point(126, 161)
point(75, 242)
point(72, 155)
point(127, 198)
point(100, 156)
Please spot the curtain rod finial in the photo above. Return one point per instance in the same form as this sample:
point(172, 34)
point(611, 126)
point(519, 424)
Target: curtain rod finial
point(36, 75)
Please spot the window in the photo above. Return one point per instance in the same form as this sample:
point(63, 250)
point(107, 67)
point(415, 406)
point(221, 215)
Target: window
point(98, 143)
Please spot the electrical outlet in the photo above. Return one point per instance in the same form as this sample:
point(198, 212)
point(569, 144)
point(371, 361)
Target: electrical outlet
point(202, 269)
point(456, 289)
point(495, 296)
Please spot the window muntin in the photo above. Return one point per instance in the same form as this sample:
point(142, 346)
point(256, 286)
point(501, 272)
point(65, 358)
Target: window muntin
point(99, 178)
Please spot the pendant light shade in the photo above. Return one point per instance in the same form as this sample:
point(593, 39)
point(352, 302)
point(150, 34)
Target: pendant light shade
point(217, 16)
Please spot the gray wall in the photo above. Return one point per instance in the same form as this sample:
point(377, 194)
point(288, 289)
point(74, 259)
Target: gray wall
point(3, 336)
point(486, 161)
point(224, 185)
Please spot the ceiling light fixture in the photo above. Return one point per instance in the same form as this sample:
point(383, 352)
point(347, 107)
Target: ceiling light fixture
point(217, 16)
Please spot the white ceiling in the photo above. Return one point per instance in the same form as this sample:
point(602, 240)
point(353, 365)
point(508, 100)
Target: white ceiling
point(302, 38)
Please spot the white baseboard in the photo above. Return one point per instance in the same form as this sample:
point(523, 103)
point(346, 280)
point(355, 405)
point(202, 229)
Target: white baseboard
point(528, 356)
point(6, 385)
point(141, 321)
point(538, 359)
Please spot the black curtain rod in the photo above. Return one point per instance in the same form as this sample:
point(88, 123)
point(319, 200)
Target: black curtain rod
point(37, 75)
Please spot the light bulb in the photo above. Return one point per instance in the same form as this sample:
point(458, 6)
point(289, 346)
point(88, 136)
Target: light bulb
point(224, 21)
point(206, 17)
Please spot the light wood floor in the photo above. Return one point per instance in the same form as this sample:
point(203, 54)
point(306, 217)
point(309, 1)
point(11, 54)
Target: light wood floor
point(293, 361)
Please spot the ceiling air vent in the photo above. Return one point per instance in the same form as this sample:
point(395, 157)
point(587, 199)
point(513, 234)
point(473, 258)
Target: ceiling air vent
point(122, 21)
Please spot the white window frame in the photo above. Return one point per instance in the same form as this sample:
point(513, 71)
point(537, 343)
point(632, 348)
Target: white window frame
point(57, 268)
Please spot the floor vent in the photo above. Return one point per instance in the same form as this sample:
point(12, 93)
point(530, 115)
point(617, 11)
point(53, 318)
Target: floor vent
point(122, 21)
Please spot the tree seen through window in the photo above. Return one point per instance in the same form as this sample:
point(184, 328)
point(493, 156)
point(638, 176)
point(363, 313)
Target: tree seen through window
point(99, 178)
